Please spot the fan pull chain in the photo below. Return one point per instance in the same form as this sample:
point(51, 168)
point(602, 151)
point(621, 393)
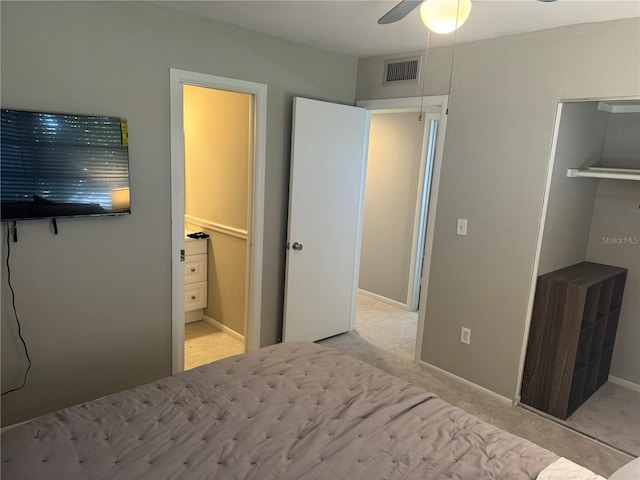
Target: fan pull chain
point(453, 56)
point(424, 74)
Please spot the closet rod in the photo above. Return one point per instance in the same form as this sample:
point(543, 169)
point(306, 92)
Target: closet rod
point(609, 173)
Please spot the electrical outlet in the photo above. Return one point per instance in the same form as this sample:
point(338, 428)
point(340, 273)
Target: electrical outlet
point(465, 335)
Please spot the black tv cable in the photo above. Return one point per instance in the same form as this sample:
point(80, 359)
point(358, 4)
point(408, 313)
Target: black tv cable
point(15, 311)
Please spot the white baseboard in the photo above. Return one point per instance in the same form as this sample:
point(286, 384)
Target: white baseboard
point(624, 383)
point(224, 328)
point(380, 298)
point(466, 382)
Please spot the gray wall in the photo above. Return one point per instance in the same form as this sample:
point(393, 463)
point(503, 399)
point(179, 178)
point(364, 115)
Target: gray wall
point(435, 69)
point(580, 144)
point(622, 144)
point(499, 131)
point(615, 240)
point(615, 236)
point(94, 301)
point(393, 170)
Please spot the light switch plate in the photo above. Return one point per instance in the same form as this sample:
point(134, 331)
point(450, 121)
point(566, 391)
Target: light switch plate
point(465, 335)
point(461, 228)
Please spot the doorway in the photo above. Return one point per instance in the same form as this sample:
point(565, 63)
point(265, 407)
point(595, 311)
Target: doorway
point(237, 228)
point(217, 147)
point(405, 152)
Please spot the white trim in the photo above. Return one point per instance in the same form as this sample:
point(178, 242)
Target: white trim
point(386, 300)
point(422, 210)
point(431, 222)
point(232, 333)
point(255, 243)
point(536, 260)
point(255, 234)
point(624, 383)
point(600, 99)
point(217, 227)
point(177, 226)
point(466, 382)
point(429, 104)
point(358, 250)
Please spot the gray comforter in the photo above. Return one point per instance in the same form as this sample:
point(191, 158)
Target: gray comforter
point(290, 411)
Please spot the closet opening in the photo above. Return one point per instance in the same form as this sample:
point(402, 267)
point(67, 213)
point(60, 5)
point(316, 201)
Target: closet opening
point(581, 365)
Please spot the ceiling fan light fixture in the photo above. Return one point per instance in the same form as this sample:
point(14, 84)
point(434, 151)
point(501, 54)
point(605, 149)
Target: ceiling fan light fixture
point(439, 16)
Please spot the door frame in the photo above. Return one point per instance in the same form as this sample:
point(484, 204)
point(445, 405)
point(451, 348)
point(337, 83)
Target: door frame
point(435, 105)
point(536, 257)
point(255, 220)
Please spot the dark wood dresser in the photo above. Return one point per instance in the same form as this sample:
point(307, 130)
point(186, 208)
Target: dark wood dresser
point(573, 330)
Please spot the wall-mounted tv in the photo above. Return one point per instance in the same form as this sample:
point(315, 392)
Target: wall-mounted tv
point(55, 165)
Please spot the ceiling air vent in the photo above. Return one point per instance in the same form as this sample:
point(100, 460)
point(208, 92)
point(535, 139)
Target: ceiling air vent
point(402, 70)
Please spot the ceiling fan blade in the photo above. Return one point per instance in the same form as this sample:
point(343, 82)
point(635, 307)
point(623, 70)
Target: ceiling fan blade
point(400, 11)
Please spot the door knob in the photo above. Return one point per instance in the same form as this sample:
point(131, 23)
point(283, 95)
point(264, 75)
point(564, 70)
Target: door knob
point(296, 246)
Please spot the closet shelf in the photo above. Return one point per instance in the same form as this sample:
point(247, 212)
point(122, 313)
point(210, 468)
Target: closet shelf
point(603, 172)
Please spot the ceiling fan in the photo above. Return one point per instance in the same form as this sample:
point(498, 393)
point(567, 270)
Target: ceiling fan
point(400, 11)
point(440, 16)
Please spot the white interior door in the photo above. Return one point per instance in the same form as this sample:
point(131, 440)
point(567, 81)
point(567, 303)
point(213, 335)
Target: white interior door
point(328, 161)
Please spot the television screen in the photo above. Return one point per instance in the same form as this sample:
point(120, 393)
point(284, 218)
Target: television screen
point(62, 165)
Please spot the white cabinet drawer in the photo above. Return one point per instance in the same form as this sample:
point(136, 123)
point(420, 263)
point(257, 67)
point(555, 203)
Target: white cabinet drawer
point(194, 246)
point(195, 296)
point(195, 268)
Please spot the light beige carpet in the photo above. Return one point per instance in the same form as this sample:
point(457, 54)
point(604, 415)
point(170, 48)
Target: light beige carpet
point(612, 414)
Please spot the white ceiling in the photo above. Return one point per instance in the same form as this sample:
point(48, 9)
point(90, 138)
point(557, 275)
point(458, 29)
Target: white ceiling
point(350, 27)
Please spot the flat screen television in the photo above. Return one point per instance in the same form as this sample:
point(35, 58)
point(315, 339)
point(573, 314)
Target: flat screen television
point(55, 165)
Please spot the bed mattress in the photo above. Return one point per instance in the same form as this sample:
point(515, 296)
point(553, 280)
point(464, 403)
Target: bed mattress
point(290, 411)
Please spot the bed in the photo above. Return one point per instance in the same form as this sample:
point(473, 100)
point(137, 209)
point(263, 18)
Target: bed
point(290, 411)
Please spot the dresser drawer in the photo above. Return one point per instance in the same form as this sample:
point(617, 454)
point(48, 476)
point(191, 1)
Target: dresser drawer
point(195, 269)
point(195, 296)
point(193, 246)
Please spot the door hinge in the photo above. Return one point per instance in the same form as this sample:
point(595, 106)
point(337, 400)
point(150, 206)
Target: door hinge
point(182, 255)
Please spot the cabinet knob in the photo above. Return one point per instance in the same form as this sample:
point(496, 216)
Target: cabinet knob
point(193, 269)
point(193, 297)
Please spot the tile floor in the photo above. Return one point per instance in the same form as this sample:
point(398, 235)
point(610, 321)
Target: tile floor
point(204, 343)
point(383, 325)
point(386, 326)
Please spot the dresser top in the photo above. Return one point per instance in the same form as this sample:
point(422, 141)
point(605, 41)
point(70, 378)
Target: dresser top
point(584, 273)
